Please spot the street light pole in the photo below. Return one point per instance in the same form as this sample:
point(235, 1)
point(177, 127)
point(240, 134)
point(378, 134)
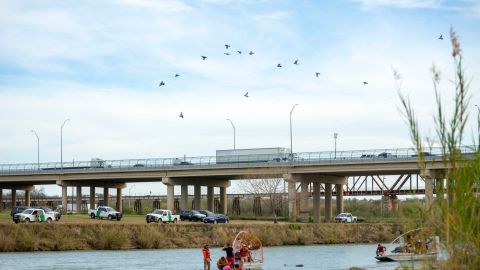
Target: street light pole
point(233, 133)
point(335, 136)
point(61, 142)
point(291, 140)
point(38, 148)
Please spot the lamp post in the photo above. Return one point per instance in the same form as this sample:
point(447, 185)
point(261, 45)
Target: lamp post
point(233, 133)
point(291, 140)
point(61, 142)
point(335, 136)
point(38, 148)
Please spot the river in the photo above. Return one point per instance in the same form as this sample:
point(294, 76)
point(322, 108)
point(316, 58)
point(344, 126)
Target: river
point(281, 258)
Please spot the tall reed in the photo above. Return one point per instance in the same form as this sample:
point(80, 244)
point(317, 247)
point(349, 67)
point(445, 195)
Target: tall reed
point(455, 214)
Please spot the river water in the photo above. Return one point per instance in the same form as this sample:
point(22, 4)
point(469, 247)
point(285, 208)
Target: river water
point(281, 258)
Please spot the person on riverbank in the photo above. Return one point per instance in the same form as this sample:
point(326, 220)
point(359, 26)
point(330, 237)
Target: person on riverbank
point(222, 262)
point(229, 250)
point(206, 258)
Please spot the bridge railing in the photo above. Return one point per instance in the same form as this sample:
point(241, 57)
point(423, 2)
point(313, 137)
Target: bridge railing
point(326, 157)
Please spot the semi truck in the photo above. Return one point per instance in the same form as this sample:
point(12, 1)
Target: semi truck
point(273, 154)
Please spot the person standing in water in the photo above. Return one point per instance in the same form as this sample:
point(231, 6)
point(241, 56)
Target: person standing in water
point(206, 258)
point(229, 250)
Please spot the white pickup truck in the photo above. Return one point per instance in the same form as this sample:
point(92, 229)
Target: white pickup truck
point(345, 218)
point(33, 215)
point(162, 215)
point(105, 212)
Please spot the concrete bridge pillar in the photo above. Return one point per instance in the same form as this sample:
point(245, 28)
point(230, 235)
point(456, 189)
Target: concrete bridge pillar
point(210, 199)
point(27, 197)
point(198, 196)
point(184, 197)
point(1, 199)
point(223, 200)
point(14, 197)
point(105, 196)
point(339, 189)
point(79, 199)
point(304, 201)
point(170, 200)
point(328, 202)
point(292, 200)
point(119, 200)
point(429, 176)
point(92, 197)
point(316, 202)
point(64, 198)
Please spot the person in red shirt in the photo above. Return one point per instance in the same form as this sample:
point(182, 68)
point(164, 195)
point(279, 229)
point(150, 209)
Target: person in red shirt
point(244, 254)
point(206, 258)
point(380, 250)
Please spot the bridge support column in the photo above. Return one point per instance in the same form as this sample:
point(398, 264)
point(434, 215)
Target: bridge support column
point(64, 199)
point(328, 202)
point(339, 189)
point(304, 201)
point(184, 197)
point(1, 199)
point(316, 202)
point(429, 176)
point(210, 200)
point(79, 199)
point(27, 197)
point(92, 197)
point(14, 197)
point(170, 201)
point(119, 200)
point(223, 200)
point(292, 200)
point(198, 196)
point(105, 196)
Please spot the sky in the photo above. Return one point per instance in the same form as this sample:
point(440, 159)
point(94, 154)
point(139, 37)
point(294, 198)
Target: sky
point(99, 64)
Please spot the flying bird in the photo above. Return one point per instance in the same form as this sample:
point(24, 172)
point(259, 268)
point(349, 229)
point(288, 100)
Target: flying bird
point(204, 57)
point(181, 115)
point(279, 65)
point(251, 53)
point(177, 75)
point(317, 74)
point(296, 62)
point(161, 84)
point(226, 53)
point(246, 94)
point(365, 83)
point(227, 46)
point(239, 52)
point(440, 37)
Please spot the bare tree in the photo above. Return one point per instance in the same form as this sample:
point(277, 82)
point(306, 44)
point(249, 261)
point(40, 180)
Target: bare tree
point(273, 188)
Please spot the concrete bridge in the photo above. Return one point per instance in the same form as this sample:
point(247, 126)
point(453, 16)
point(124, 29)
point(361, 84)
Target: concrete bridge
point(328, 169)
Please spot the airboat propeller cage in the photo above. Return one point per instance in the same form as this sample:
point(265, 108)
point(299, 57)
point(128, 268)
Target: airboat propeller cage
point(253, 244)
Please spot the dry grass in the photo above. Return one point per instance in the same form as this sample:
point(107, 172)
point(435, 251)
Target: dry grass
point(111, 236)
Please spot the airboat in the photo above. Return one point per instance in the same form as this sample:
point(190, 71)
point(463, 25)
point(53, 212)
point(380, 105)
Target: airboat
point(420, 250)
point(255, 248)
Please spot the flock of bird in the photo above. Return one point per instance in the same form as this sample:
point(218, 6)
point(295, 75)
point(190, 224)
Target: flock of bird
point(279, 65)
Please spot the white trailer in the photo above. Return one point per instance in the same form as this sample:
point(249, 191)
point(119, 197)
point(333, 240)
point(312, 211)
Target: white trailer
point(274, 154)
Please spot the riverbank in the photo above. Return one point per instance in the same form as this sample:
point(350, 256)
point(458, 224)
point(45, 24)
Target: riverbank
point(115, 236)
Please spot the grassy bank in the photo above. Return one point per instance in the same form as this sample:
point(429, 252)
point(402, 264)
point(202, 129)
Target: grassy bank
point(53, 237)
